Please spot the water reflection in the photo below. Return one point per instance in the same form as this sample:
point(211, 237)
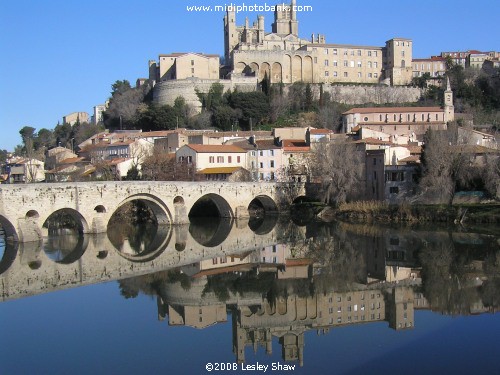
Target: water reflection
point(8, 252)
point(65, 246)
point(278, 283)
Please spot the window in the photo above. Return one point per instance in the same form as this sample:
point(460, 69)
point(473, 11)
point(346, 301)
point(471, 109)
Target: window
point(345, 63)
point(261, 152)
point(192, 70)
point(375, 64)
point(325, 51)
point(192, 62)
point(345, 53)
point(369, 53)
point(369, 64)
point(352, 53)
point(359, 74)
point(345, 74)
point(351, 63)
point(369, 75)
point(211, 159)
point(335, 51)
point(359, 52)
point(375, 75)
point(238, 159)
point(402, 53)
point(261, 165)
point(315, 60)
point(271, 152)
point(326, 62)
point(271, 164)
point(229, 159)
point(335, 63)
point(374, 161)
point(327, 73)
point(359, 64)
point(335, 74)
point(220, 159)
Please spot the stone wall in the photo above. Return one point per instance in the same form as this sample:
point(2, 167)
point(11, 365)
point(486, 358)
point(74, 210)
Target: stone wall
point(353, 94)
point(167, 91)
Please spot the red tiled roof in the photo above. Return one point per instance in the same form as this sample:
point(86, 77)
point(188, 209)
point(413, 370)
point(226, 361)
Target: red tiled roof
point(296, 145)
point(410, 159)
point(393, 110)
point(320, 131)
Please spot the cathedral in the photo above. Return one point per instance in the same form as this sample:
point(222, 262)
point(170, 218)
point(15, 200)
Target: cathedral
point(284, 57)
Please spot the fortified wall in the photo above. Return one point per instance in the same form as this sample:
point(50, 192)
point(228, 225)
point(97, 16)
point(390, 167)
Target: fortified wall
point(167, 91)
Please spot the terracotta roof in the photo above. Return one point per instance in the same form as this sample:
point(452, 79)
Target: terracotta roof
point(320, 131)
point(296, 145)
point(241, 133)
point(415, 149)
point(72, 160)
point(219, 170)
point(216, 148)
point(393, 110)
point(410, 159)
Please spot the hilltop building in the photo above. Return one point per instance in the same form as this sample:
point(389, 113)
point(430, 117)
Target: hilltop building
point(75, 117)
point(284, 57)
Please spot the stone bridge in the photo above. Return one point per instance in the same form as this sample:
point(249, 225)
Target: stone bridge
point(24, 209)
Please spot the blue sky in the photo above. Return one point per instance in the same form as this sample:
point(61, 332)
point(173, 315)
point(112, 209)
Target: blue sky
point(61, 56)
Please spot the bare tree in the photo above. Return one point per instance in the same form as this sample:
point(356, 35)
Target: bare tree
point(338, 166)
point(162, 166)
point(445, 164)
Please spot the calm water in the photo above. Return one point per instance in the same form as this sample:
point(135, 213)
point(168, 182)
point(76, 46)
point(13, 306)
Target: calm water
point(326, 299)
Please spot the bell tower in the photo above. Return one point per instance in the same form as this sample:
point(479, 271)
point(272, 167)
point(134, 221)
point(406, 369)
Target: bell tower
point(449, 108)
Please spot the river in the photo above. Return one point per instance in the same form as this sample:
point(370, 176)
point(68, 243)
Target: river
point(262, 296)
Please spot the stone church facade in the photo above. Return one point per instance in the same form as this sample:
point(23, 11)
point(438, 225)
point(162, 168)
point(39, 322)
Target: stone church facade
point(286, 58)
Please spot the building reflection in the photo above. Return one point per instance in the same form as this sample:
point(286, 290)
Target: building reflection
point(275, 285)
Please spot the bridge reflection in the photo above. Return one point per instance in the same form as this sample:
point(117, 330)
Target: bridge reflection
point(68, 258)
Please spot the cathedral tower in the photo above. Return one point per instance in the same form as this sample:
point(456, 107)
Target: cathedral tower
point(285, 19)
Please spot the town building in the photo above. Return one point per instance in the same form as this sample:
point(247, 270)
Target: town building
point(97, 116)
point(215, 162)
point(435, 66)
point(410, 122)
point(177, 66)
point(75, 117)
point(25, 170)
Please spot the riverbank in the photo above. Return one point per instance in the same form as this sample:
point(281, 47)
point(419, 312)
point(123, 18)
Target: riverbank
point(373, 211)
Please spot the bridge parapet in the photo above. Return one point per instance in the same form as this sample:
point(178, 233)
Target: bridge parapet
point(24, 209)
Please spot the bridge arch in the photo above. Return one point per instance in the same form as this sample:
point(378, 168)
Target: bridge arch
point(10, 232)
point(77, 217)
point(203, 207)
point(159, 208)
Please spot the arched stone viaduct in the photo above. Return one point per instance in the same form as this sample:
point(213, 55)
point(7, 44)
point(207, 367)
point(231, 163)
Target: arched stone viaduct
point(25, 208)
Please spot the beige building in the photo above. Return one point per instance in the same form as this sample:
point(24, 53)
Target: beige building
point(177, 66)
point(75, 117)
point(408, 122)
point(206, 157)
point(435, 66)
point(25, 171)
point(284, 57)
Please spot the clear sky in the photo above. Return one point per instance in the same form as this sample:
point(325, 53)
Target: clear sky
point(61, 56)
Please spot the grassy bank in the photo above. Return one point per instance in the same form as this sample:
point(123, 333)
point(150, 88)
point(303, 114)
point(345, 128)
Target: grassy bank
point(380, 211)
